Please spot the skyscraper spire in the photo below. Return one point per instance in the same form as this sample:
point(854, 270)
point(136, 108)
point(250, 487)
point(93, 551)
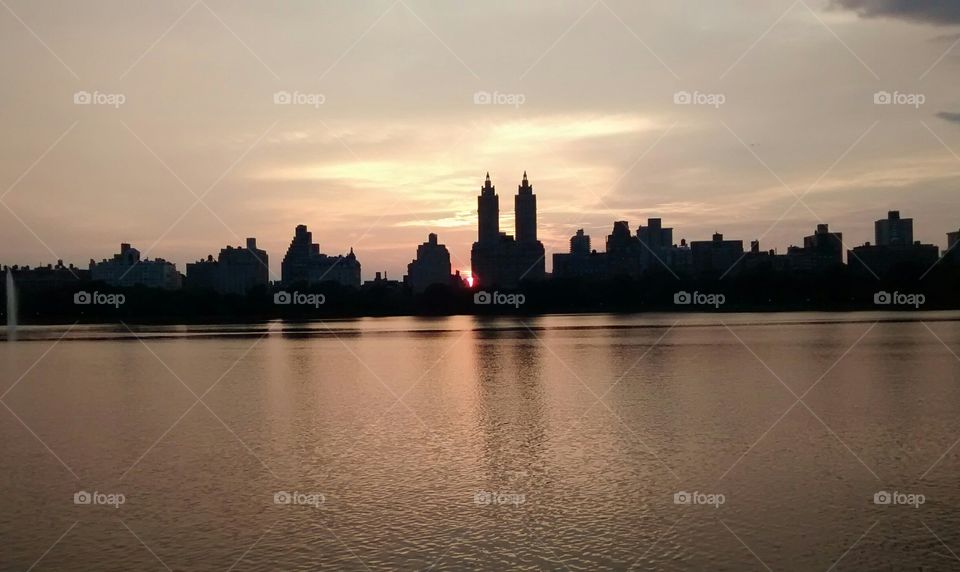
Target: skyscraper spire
point(488, 210)
point(525, 187)
point(525, 207)
point(487, 188)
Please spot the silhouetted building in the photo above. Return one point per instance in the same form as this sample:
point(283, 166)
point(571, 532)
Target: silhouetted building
point(766, 260)
point(655, 244)
point(623, 251)
point(488, 213)
point(821, 251)
point(629, 255)
point(680, 258)
point(380, 281)
point(580, 262)
point(580, 243)
point(716, 257)
point(203, 274)
point(525, 211)
point(952, 254)
point(49, 277)
point(895, 251)
point(236, 270)
point(127, 269)
point(432, 266)
point(304, 263)
point(498, 259)
point(904, 261)
point(893, 230)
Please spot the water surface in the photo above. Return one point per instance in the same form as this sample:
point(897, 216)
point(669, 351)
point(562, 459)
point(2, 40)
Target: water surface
point(467, 443)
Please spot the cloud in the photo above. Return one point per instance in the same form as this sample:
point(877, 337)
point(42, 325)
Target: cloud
point(563, 129)
point(941, 12)
point(462, 218)
point(954, 117)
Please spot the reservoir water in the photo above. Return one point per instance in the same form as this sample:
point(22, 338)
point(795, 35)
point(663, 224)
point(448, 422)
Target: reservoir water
point(647, 442)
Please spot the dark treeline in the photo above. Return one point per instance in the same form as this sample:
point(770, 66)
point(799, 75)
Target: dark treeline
point(762, 290)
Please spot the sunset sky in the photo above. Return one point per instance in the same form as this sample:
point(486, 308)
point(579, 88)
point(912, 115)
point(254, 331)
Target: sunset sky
point(386, 142)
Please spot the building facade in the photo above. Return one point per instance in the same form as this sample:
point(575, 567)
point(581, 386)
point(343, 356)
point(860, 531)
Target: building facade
point(431, 266)
point(580, 262)
point(49, 277)
point(893, 230)
point(821, 251)
point(656, 243)
point(623, 252)
point(716, 257)
point(382, 282)
point(235, 271)
point(127, 269)
point(580, 243)
point(894, 250)
point(952, 254)
point(650, 250)
point(758, 260)
point(903, 260)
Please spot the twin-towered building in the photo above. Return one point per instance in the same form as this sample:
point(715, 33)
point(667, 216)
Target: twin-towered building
point(498, 259)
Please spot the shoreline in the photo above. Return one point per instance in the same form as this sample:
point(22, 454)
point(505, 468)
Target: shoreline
point(890, 316)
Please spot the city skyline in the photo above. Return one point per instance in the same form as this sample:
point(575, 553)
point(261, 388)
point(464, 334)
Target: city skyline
point(510, 259)
point(616, 118)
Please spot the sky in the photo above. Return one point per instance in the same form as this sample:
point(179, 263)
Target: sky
point(182, 126)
